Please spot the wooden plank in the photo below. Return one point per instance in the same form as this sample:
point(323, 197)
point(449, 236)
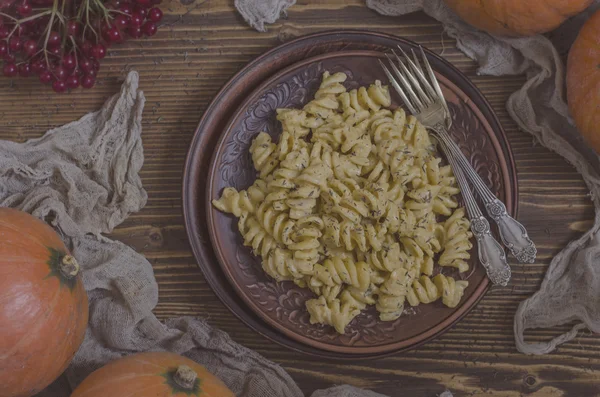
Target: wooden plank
point(196, 51)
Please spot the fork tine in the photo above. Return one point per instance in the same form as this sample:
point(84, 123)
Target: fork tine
point(415, 83)
point(421, 74)
point(417, 102)
point(434, 81)
point(416, 60)
point(398, 88)
point(418, 71)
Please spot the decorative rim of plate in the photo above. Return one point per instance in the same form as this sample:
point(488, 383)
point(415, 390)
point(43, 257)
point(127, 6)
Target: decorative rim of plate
point(211, 212)
point(318, 42)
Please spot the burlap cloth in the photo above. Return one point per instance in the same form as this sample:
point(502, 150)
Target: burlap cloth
point(83, 178)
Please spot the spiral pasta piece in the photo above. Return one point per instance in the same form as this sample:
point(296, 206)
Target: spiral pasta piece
point(392, 293)
point(325, 103)
point(305, 248)
point(348, 140)
point(343, 270)
point(448, 182)
point(419, 209)
point(421, 243)
point(298, 122)
point(388, 259)
point(321, 153)
point(367, 99)
point(383, 125)
point(343, 166)
point(283, 178)
point(331, 85)
point(398, 282)
point(353, 236)
point(411, 247)
point(351, 210)
point(423, 290)
point(395, 192)
point(424, 194)
point(457, 242)
point(435, 186)
point(426, 266)
point(374, 198)
point(257, 192)
point(364, 298)
point(329, 292)
point(415, 134)
point(450, 290)
point(256, 236)
point(340, 189)
point(277, 224)
point(445, 202)
point(288, 143)
point(430, 172)
point(400, 158)
point(377, 171)
point(275, 264)
point(234, 202)
point(303, 198)
point(337, 313)
point(347, 198)
point(375, 235)
point(390, 307)
point(263, 154)
point(398, 220)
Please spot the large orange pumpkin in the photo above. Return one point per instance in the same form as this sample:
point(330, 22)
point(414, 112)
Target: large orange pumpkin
point(156, 374)
point(583, 81)
point(517, 17)
point(43, 305)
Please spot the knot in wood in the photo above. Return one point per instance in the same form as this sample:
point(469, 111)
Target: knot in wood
point(156, 237)
point(530, 380)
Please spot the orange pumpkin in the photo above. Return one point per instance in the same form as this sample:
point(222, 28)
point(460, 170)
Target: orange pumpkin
point(43, 305)
point(583, 81)
point(156, 374)
point(517, 17)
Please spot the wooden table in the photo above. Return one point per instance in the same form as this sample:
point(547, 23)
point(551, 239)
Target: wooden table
point(196, 51)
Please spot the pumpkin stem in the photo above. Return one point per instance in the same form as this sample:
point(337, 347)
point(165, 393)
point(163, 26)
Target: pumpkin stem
point(69, 266)
point(185, 377)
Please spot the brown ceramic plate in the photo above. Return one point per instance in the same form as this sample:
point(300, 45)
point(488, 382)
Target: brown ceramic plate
point(227, 101)
point(282, 305)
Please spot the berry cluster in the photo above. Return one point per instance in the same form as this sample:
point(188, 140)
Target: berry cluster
point(63, 41)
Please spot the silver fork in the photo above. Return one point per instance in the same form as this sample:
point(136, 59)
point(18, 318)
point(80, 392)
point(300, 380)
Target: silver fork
point(491, 254)
point(429, 106)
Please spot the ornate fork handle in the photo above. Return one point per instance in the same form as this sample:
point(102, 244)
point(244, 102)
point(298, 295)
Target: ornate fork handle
point(513, 234)
point(491, 253)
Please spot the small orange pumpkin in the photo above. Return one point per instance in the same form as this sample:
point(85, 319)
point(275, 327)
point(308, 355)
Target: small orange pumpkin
point(43, 305)
point(517, 17)
point(157, 374)
point(583, 81)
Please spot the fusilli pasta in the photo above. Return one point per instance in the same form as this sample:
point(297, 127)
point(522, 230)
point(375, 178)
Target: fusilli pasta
point(347, 203)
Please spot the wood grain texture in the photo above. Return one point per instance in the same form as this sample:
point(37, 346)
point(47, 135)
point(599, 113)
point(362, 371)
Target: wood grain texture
point(196, 51)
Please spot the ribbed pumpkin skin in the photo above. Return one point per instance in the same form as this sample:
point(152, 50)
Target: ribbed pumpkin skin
point(42, 323)
point(583, 81)
point(143, 375)
point(517, 17)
